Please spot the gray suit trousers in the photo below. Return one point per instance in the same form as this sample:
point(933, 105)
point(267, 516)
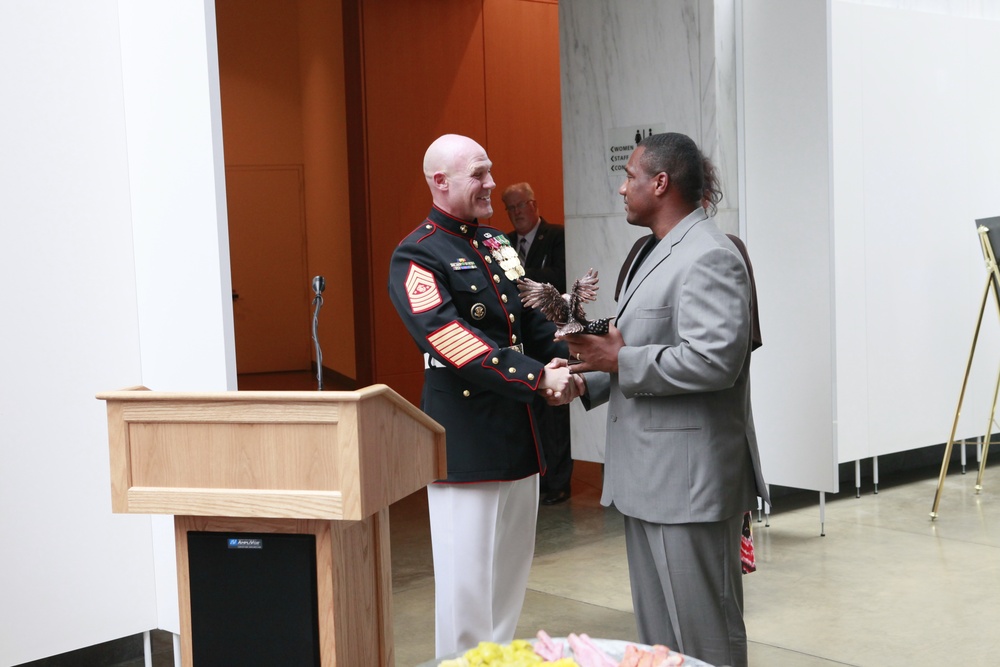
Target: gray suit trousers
point(687, 587)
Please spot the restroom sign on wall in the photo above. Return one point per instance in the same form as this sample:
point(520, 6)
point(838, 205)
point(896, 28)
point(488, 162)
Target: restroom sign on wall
point(623, 140)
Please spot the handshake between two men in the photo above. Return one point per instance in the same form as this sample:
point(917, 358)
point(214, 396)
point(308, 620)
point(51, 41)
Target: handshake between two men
point(588, 352)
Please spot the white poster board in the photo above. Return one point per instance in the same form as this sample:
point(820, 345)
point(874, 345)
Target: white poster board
point(114, 267)
point(869, 153)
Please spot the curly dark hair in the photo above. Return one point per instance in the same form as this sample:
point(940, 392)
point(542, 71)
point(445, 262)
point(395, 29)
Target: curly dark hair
point(712, 192)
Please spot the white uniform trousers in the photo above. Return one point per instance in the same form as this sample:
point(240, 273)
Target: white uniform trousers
point(483, 540)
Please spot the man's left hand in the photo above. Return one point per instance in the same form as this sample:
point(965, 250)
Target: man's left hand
point(595, 353)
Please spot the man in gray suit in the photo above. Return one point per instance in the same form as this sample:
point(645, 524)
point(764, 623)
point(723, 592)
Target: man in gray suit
point(681, 461)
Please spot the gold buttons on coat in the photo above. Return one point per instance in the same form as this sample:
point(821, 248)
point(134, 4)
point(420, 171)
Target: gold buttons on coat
point(503, 297)
point(512, 370)
point(475, 243)
point(512, 317)
point(496, 277)
point(489, 260)
point(495, 361)
point(473, 288)
point(430, 227)
point(531, 376)
point(463, 228)
point(466, 393)
point(513, 340)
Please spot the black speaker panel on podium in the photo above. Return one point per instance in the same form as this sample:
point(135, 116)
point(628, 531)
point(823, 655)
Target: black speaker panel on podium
point(253, 599)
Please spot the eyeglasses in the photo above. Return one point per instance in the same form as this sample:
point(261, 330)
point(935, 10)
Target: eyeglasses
point(517, 207)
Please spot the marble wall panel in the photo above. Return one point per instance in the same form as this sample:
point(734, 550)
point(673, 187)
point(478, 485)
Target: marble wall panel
point(723, 145)
point(600, 242)
point(623, 64)
point(639, 63)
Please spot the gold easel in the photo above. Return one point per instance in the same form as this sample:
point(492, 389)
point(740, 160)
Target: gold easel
point(984, 227)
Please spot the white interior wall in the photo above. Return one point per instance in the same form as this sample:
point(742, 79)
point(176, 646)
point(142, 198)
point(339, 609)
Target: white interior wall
point(869, 152)
point(71, 573)
point(173, 116)
point(113, 272)
point(787, 216)
point(914, 165)
point(847, 73)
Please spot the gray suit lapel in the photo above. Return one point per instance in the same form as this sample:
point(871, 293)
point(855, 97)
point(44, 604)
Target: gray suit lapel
point(660, 253)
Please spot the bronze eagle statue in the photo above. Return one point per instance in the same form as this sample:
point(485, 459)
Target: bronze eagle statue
point(566, 310)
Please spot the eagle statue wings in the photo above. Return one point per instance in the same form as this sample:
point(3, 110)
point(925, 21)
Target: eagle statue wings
point(566, 310)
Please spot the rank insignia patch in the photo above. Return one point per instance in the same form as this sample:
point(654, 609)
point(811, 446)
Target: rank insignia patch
point(421, 289)
point(457, 344)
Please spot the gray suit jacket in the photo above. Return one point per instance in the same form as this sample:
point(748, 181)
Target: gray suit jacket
point(681, 445)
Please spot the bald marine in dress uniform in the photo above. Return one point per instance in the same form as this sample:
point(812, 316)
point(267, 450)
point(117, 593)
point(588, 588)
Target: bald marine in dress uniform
point(453, 283)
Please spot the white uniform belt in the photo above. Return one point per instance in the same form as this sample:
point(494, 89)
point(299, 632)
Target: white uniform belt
point(431, 362)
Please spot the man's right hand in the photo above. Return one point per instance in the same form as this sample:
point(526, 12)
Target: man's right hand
point(575, 385)
point(555, 379)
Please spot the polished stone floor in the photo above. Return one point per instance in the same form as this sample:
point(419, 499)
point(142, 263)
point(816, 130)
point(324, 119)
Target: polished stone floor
point(884, 586)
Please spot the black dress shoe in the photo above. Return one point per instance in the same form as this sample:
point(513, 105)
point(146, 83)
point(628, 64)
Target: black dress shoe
point(556, 497)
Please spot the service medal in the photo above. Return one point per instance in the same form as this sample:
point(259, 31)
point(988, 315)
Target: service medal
point(505, 255)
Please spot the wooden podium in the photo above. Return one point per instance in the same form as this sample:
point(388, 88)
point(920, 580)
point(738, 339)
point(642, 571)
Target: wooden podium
point(326, 464)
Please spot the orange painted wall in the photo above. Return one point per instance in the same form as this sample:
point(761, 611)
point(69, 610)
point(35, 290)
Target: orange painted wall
point(324, 129)
point(258, 76)
point(523, 101)
point(281, 69)
point(435, 88)
point(437, 66)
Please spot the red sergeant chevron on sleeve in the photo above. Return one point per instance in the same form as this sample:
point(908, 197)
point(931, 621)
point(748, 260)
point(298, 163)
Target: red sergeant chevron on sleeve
point(421, 289)
point(457, 344)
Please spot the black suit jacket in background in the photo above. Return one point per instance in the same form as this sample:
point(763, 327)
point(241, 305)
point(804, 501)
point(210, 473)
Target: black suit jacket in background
point(546, 261)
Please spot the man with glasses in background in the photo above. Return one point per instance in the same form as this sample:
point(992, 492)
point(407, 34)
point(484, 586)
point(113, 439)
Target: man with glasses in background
point(542, 248)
